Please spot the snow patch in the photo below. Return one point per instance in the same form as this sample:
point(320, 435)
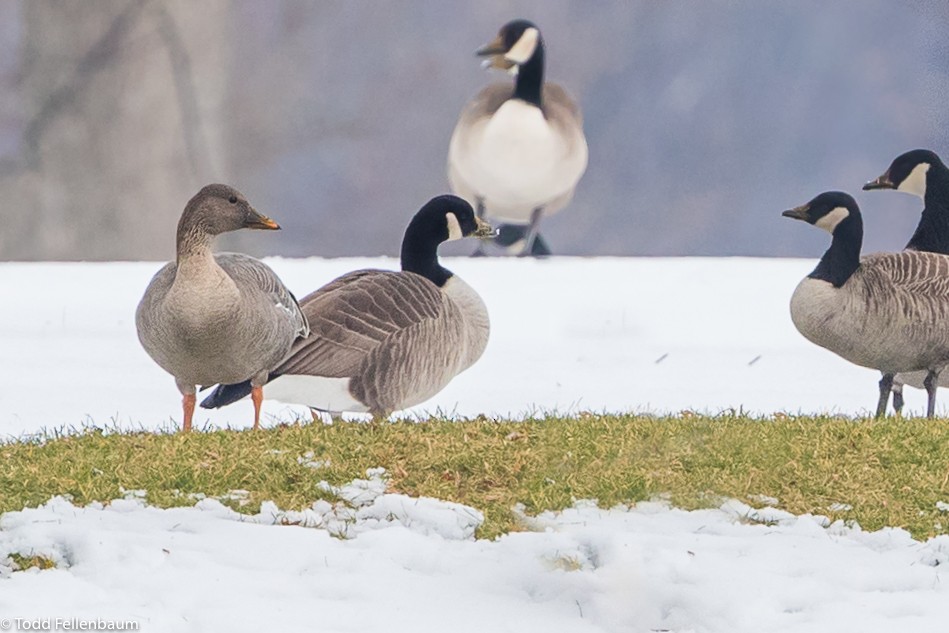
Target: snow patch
point(643, 568)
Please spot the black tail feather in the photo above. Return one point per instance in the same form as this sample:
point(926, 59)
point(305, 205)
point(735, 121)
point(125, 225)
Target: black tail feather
point(224, 395)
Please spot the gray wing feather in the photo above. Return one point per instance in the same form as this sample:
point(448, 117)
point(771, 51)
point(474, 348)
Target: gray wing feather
point(246, 270)
point(902, 299)
point(918, 282)
point(558, 105)
point(486, 103)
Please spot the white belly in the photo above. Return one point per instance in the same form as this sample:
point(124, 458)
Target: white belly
point(317, 392)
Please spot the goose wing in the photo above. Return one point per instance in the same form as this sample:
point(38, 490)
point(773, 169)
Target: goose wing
point(558, 105)
point(251, 273)
point(907, 294)
point(917, 281)
point(354, 315)
point(485, 103)
point(917, 271)
point(155, 293)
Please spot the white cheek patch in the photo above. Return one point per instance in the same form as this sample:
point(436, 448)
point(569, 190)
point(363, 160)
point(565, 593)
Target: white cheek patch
point(454, 228)
point(915, 183)
point(830, 221)
point(524, 48)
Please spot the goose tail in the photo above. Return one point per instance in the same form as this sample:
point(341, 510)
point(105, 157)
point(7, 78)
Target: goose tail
point(224, 395)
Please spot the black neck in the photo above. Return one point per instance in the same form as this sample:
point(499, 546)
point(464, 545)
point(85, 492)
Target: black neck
point(530, 77)
point(843, 257)
point(420, 256)
point(932, 232)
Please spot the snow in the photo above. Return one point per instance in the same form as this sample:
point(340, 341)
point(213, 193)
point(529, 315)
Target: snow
point(647, 568)
point(568, 334)
point(648, 335)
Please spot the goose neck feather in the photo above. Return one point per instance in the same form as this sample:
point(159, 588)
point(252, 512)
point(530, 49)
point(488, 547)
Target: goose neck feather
point(194, 241)
point(196, 265)
point(842, 259)
point(932, 232)
point(529, 84)
point(420, 256)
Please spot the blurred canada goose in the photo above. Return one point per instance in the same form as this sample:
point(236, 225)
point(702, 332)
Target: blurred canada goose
point(518, 152)
point(922, 173)
point(888, 311)
point(385, 340)
point(209, 318)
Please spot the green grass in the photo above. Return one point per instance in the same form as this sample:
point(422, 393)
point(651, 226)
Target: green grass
point(891, 472)
point(19, 562)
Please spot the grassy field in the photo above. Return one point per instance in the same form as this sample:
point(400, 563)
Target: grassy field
point(877, 473)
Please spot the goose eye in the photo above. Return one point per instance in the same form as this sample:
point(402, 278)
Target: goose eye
point(232, 199)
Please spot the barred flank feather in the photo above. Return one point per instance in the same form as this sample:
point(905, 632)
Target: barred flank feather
point(892, 314)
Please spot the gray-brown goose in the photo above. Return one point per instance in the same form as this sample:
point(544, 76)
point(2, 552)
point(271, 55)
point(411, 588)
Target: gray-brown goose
point(920, 172)
point(385, 340)
point(518, 151)
point(207, 318)
point(888, 311)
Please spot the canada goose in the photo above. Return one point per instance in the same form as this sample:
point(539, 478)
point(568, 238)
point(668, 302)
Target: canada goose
point(888, 311)
point(518, 151)
point(385, 340)
point(209, 318)
point(922, 173)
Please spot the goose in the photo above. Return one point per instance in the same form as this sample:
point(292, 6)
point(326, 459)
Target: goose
point(386, 340)
point(922, 173)
point(207, 318)
point(518, 151)
point(888, 311)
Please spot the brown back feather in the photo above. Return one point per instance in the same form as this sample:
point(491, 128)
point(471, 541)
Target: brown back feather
point(354, 314)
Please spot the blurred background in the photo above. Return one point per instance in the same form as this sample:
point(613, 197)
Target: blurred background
point(704, 118)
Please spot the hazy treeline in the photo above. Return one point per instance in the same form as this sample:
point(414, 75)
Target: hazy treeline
point(704, 118)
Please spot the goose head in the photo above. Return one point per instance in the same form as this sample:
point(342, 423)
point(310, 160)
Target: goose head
point(518, 42)
point(827, 211)
point(446, 218)
point(837, 213)
point(907, 173)
point(442, 219)
point(219, 209)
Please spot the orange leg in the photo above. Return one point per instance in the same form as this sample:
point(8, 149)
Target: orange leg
point(257, 395)
point(187, 403)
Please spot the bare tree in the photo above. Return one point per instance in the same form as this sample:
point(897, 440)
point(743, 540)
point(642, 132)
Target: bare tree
point(116, 135)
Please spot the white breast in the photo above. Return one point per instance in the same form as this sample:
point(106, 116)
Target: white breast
point(517, 161)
